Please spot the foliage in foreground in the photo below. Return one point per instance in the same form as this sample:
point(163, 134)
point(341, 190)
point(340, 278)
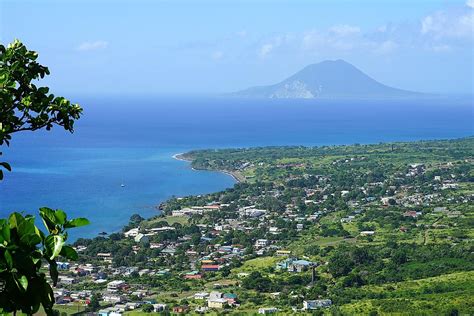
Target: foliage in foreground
point(23, 250)
point(23, 105)
point(23, 247)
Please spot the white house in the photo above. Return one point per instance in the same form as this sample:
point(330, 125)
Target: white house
point(259, 243)
point(314, 304)
point(267, 310)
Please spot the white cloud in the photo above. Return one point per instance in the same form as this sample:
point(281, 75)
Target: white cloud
point(91, 46)
point(441, 48)
point(242, 33)
point(264, 50)
point(386, 47)
point(217, 55)
point(447, 30)
point(446, 24)
point(344, 30)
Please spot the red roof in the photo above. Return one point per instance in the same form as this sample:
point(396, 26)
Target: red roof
point(210, 266)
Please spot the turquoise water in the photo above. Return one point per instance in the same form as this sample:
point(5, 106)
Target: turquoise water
point(131, 141)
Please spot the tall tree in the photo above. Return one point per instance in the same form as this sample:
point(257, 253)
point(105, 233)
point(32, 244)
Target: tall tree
point(23, 105)
point(23, 246)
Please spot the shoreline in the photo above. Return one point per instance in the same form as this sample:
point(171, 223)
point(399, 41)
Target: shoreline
point(180, 157)
point(238, 178)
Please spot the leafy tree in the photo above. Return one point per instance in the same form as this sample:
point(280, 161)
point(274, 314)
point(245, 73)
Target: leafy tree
point(94, 302)
point(257, 282)
point(147, 308)
point(23, 246)
point(23, 105)
point(23, 249)
point(136, 219)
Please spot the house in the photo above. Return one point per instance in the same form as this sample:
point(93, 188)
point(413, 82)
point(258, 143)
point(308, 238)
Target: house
point(231, 298)
point(367, 233)
point(113, 298)
point(283, 252)
point(169, 251)
point(412, 214)
point(299, 265)
point(294, 265)
point(201, 295)
point(210, 267)
point(267, 310)
point(314, 304)
point(225, 249)
point(116, 285)
point(132, 305)
point(103, 312)
point(217, 303)
point(215, 294)
point(120, 307)
point(259, 243)
point(159, 308)
point(67, 280)
point(283, 265)
point(63, 265)
point(132, 232)
point(273, 230)
point(181, 309)
point(201, 309)
point(109, 312)
point(193, 275)
point(142, 239)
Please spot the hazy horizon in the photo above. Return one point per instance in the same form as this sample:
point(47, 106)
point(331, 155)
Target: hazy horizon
point(182, 47)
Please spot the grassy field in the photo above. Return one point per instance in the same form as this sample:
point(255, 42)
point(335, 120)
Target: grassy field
point(183, 220)
point(258, 264)
point(437, 294)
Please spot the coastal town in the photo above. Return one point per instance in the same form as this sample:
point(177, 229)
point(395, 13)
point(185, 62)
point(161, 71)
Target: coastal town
point(306, 230)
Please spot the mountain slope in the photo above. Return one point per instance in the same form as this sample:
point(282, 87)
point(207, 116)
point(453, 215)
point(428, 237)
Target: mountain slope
point(328, 79)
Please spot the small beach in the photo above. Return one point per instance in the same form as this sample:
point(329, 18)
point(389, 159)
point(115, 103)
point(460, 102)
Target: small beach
point(235, 175)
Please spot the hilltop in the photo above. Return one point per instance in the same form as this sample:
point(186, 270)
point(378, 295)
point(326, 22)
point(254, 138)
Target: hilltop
point(328, 79)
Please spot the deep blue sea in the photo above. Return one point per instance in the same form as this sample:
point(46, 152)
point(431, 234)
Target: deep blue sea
point(131, 140)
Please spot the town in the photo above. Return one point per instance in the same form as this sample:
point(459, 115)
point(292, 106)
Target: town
point(307, 230)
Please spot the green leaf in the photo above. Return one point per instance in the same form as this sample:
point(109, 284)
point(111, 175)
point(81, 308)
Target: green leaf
point(53, 271)
point(27, 226)
point(60, 217)
point(30, 239)
point(47, 298)
point(8, 258)
point(77, 222)
point(49, 219)
point(53, 245)
point(69, 253)
point(23, 282)
point(15, 220)
point(4, 230)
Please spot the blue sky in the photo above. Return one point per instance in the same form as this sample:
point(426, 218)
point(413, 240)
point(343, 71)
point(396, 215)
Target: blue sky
point(169, 47)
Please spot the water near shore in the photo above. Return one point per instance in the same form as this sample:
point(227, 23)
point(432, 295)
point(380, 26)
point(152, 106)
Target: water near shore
point(132, 141)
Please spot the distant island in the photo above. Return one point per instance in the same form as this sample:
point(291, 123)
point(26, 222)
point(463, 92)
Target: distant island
point(327, 79)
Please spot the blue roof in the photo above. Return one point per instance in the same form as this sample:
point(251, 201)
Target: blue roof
point(302, 262)
point(230, 295)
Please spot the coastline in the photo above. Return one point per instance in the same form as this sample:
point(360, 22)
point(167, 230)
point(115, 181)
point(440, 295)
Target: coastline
point(236, 176)
point(180, 157)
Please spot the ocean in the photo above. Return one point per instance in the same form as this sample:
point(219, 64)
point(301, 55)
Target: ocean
point(131, 140)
